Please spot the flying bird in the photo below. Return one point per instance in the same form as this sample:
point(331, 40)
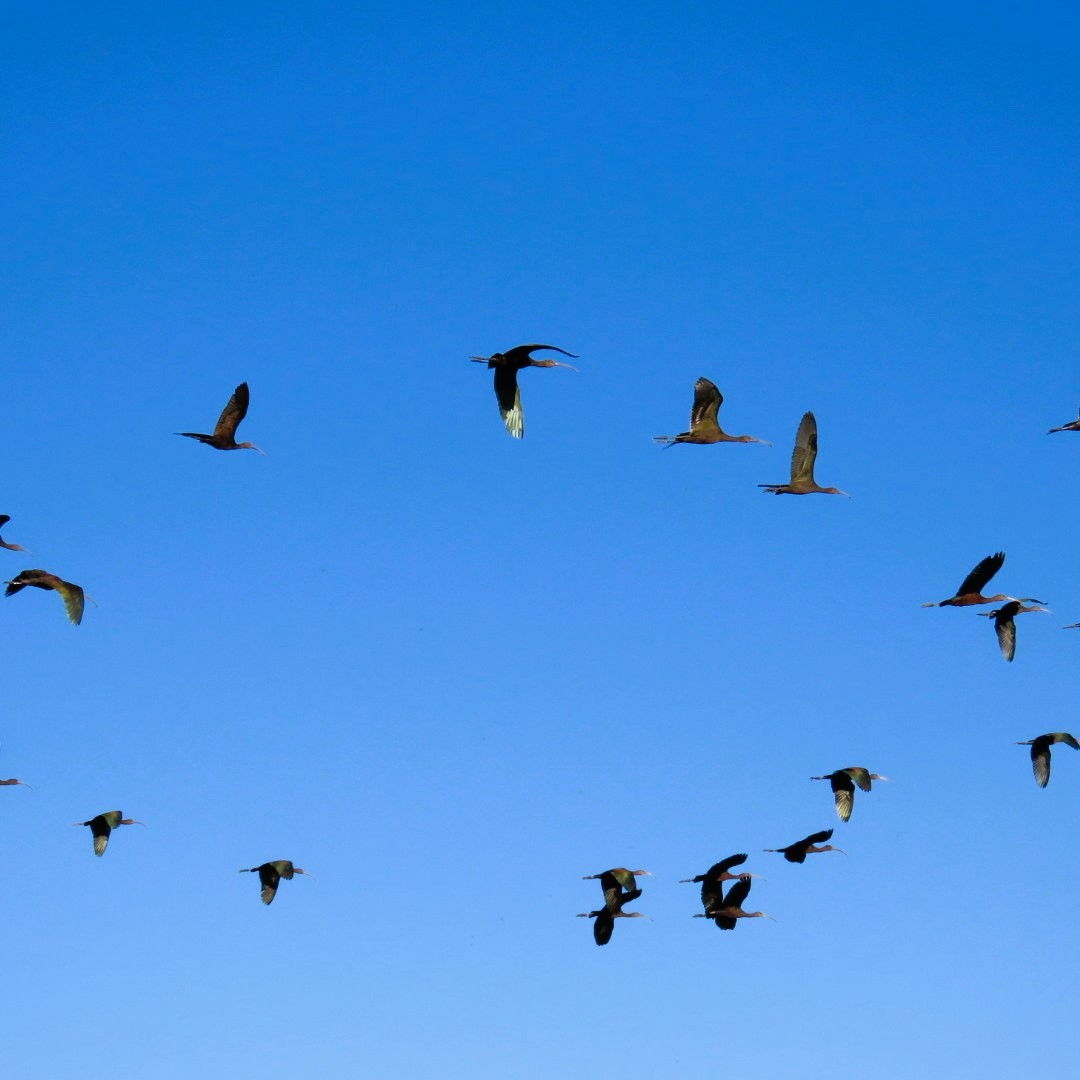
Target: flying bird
point(270, 875)
point(71, 594)
point(798, 851)
point(728, 910)
point(224, 436)
point(506, 366)
point(1072, 425)
point(713, 878)
point(1005, 627)
point(970, 591)
point(102, 825)
point(802, 464)
point(843, 784)
point(4, 519)
point(1040, 753)
point(618, 883)
point(704, 425)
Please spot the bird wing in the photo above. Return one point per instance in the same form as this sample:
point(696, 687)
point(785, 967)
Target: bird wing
point(1005, 626)
point(982, 573)
point(1040, 761)
point(707, 401)
point(805, 452)
point(843, 795)
point(818, 837)
point(269, 878)
point(1067, 739)
point(4, 519)
point(602, 927)
point(518, 356)
point(509, 396)
point(74, 600)
point(726, 864)
point(101, 830)
point(737, 894)
point(233, 413)
point(860, 776)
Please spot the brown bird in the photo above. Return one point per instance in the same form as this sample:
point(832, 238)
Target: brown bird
point(1040, 753)
point(506, 366)
point(798, 851)
point(102, 825)
point(5, 783)
point(970, 591)
point(1004, 626)
point(4, 519)
point(802, 464)
point(704, 425)
point(843, 785)
point(727, 911)
point(224, 436)
point(1072, 425)
point(270, 875)
point(71, 594)
point(712, 880)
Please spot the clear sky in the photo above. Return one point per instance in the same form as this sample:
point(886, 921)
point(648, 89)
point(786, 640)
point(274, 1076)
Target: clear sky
point(448, 672)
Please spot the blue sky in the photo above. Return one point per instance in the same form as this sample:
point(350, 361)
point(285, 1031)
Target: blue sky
point(450, 673)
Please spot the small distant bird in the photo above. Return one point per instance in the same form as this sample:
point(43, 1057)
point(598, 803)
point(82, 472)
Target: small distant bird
point(224, 436)
point(802, 464)
point(712, 880)
point(5, 783)
point(1072, 425)
point(970, 591)
point(506, 366)
point(102, 825)
point(1040, 753)
point(798, 851)
point(71, 594)
point(270, 875)
point(1004, 626)
point(843, 784)
point(727, 911)
point(618, 882)
point(4, 519)
point(1072, 626)
point(704, 425)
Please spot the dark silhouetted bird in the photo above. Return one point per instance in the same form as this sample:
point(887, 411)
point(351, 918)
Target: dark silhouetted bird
point(270, 875)
point(507, 365)
point(843, 785)
point(798, 851)
point(224, 436)
point(102, 825)
point(1040, 753)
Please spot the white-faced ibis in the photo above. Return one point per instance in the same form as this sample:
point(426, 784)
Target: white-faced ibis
point(1072, 626)
point(970, 591)
point(727, 911)
point(71, 594)
point(102, 825)
point(798, 851)
point(1005, 627)
point(270, 875)
point(802, 464)
point(4, 519)
point(1040, 753)
point(704, 425)
point(1072, 425)
point(224, 436)
point(6, 783)
point(506, 366)
point(713, 878)
point(618, 882)
point(843, 784)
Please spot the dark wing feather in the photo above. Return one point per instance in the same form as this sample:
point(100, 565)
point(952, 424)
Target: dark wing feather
point(1005, 626)
point(982, 573)
point(233, 413)
point(4, 519)
point(519, 357)
point(843, 794)
point(818, 838)
point(707, 401)
point(737, 894)
point(509, 397)
point(1040, 760)
point(269, 878)
point(602, 927)
point(726, 864)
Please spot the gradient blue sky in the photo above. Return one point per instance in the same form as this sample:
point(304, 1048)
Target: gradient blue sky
point(450, 673)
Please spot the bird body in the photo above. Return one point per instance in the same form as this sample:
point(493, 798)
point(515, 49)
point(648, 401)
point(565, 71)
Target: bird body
point(102, 826)
point(798, 851)
point(727, 911)
point(270, 875)
point(71, 594)
point(224, 434)
point(843, 783)
point(1040, 753)
point(704, 425)
point(4, 519)
point(506, 366)
point(802, 464)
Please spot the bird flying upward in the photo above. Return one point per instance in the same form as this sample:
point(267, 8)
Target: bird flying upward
point(802, 464)
point(224, 434)
point(507, 365)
